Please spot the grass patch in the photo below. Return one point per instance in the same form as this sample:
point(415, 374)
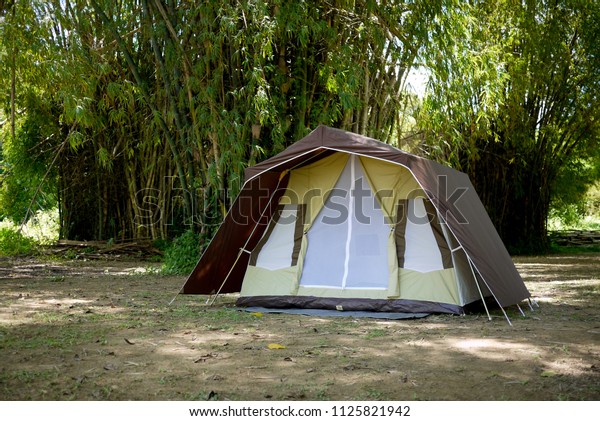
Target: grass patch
point(29, 376)
point(61, 337)
point(376, 333)
point(574, 250)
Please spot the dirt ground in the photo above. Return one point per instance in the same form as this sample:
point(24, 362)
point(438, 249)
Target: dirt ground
point(105, 330)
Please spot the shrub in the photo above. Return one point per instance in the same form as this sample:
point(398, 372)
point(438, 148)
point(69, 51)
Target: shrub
point(183, 254)
point(43, 226)
point(13, 243)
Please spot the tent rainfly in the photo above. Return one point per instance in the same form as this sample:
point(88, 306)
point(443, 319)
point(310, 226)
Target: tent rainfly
point(344, 222)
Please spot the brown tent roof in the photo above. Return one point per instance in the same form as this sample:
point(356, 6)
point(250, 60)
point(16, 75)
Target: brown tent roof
point(449, 190)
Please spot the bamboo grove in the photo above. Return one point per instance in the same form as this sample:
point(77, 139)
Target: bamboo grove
point(137, 118)
point(158, 106)
point(516, 107)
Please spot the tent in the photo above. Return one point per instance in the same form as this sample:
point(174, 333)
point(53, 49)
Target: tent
point(344, 222)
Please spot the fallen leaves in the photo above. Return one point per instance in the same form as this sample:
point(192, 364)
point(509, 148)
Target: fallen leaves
point(549, 373)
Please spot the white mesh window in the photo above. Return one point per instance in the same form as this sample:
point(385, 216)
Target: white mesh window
point(276, 253)
point(422, 253)
point(347, 244)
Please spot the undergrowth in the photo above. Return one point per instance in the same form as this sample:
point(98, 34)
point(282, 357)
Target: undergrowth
point(182, 254)
point(14, 243)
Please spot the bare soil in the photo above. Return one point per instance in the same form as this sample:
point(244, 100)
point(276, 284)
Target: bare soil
point(105, 330)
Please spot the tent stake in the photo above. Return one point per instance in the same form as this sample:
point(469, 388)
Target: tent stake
point(506, 315)
point(534, 302)
point(176, 295)
point(484, 304)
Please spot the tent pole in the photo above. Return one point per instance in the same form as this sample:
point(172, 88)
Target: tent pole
point(505, 315)
point(230, 270)
point(482, 298)
point(519, 307)
point(474, 277)
point(479, 289)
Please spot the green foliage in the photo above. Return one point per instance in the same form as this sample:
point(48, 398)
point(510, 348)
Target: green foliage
point(570, 205)
point(163, 116)
point(576, 197)
point(183, 254)
point(24, 167)
point(515, 104)
point(43, 227)
point(578, 210)
point(574, 250)
point(148, 112)
point(13, 243)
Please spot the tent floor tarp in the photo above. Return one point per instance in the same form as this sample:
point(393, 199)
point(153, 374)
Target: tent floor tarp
point(336, 313)
point(349, 304)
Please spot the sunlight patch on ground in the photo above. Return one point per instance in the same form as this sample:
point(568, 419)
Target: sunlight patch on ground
point(546, 265)
point(486, 348)
point(26, 308)
point(141, 270)
point(564, 290)
point(566, 366)
point(539, 270)
point(492, 349)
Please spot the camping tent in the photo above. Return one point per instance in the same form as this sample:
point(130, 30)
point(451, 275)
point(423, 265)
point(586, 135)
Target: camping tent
point(343, 221)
